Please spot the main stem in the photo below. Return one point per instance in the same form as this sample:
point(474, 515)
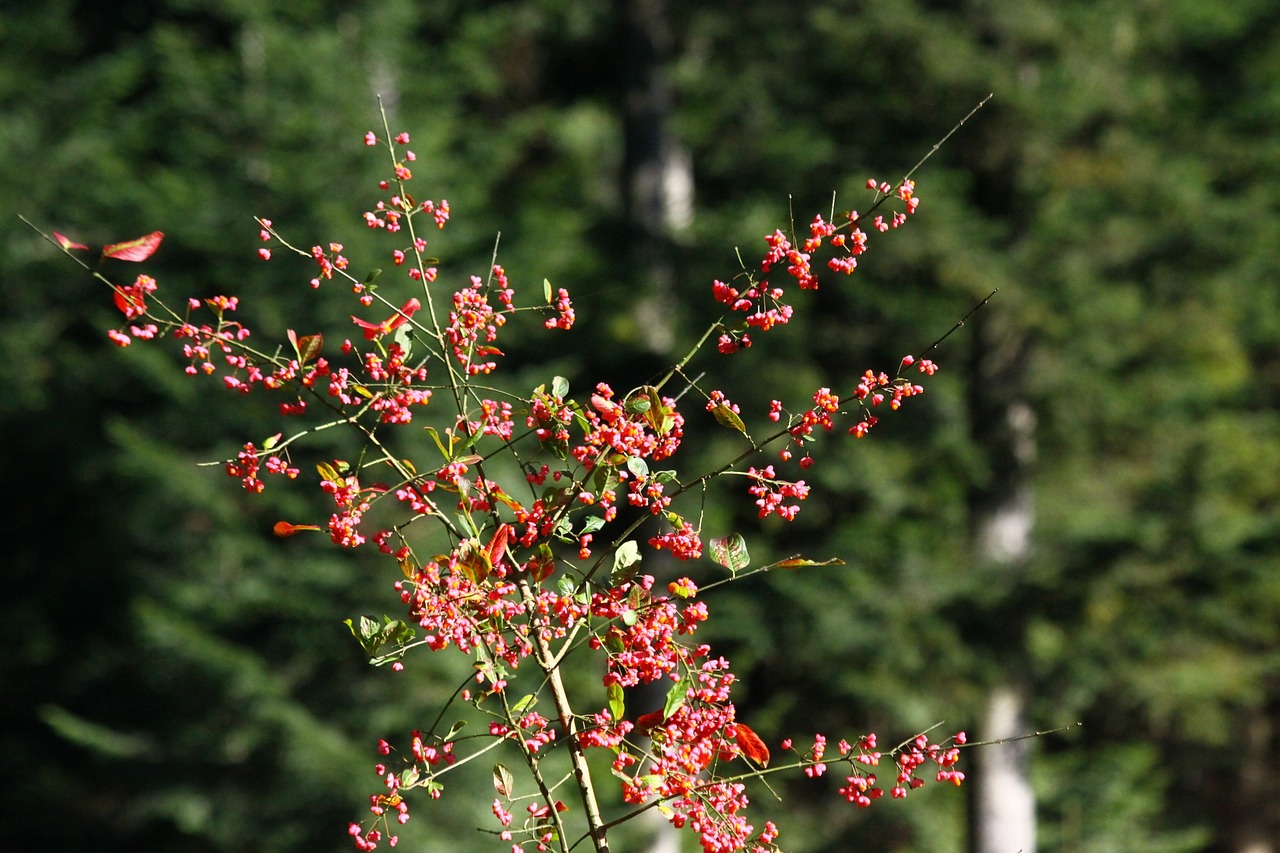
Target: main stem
point(582, 774)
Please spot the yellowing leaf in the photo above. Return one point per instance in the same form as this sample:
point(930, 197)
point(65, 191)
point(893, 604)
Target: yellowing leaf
point(726, 416)
point(801, 562)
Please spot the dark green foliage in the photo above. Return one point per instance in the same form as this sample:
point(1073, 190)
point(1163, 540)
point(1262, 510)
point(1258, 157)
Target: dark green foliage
point(179, 680)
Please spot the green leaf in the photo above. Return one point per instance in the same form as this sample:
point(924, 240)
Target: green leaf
point(628, 554)
point(676, 696)
point(617, 703)
point(559, 387)
point(546, 290)
point(404, 337)
point(525, 703)
point(731, 552)
point(637, 466)
point(435, 436)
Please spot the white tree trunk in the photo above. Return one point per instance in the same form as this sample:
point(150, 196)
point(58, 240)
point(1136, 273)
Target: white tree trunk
point(1004, 807)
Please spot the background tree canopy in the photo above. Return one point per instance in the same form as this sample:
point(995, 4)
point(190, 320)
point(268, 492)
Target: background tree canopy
point(177, 679)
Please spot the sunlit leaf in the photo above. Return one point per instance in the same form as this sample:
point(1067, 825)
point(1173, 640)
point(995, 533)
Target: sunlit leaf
point(730, 551)
point(541, 564)
point(617, 704)
point(284, 529)
point(726, 416)
point(638, 405)
point(404, 338)
point(801, 562)
point(67, 243)
point(503, 781)
point(637, 466)
point(134, 250)
point(307, 347)
point(498, 544)
point(435, 436)
point(751, 745)
point(676, 696)
point(628, 553)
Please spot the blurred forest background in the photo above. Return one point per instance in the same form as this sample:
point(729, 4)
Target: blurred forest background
point(1078, 522)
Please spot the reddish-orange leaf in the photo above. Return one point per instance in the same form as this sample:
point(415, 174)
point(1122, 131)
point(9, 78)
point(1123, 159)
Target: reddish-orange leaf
point(646, 723)
point(498, 543)
point(67, 243)
point(134, 250)
point(750, 744)
point(129, 302)
point(284, 528)
point(542, 564)
point(373, 330)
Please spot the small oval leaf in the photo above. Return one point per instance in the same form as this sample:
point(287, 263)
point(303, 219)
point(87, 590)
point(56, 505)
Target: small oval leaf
point(617, 703)
point(503, 781)
point(730, 551)
point(628, 553)
point(727, 417)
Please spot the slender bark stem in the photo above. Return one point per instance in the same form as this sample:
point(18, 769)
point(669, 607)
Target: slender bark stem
point(581, 772)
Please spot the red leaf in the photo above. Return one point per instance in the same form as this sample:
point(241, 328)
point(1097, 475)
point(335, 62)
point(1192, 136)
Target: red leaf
point(67, 243)
point(373, 330)
point(498, 544)
point(129, 302)
point(134, 250)
point(750, 744)
point(284, 528)
point(646, 723)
